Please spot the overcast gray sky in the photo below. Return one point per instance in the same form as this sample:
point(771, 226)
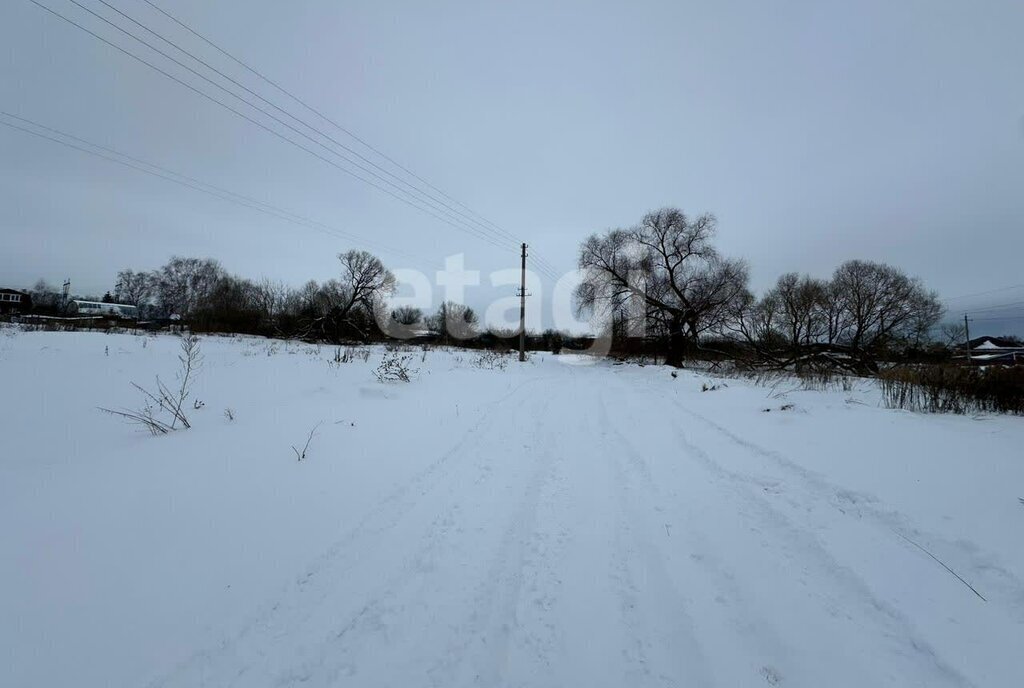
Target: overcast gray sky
point(815, 131)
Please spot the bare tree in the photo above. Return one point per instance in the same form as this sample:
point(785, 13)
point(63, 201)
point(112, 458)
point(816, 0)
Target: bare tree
point(663, 273)
point(134, 288)
point(308, 296)
point(953, 335)
point(184, 284)
point(454, 320)
point(351, 302)
point(365, 276)
point(882, 307)
point(758, 323)
point(44, 296)
point(800, 300)
point(230, 304)
point(789, 317)
point(271, 299)
point(834, 311)
point(866, 310)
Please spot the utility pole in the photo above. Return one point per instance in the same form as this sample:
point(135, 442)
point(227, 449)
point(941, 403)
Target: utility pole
point(967, 333)
point(522, 310)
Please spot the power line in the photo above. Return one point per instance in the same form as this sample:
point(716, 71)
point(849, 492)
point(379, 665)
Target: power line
point(1009, 317)
point(460, 219)
point(223, 194)
point(1015, 304)
point(984, 293)
point(335, 124)
point(317, 112)
point(460, 223)
point(224, 105)
point(409, 202)
point(439, 205)
point(196, 184)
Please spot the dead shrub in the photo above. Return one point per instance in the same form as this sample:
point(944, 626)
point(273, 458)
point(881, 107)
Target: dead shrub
point(347, 355)
point(395, 367)
point(163, 409)
point(823, 379)
point(954, 389)
point(492, 360)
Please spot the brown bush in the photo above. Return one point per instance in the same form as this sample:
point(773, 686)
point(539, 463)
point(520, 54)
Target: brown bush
point(954, 389)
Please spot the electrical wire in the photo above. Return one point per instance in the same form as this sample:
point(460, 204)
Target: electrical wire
point(1015, 304)
point(363, 168)
point(198, 185)
point(1009, 317)
point(537, 258)
point(985, 293)
point(439, 205)
point(244, 116)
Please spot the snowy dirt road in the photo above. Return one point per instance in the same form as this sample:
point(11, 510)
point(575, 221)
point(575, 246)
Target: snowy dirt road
point(598, 525)
point(599, 545)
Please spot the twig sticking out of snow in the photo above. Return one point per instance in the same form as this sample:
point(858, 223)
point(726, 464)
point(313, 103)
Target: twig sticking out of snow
point(301, 455)
point(941, 563)
point(144, 417)
point(164, 399)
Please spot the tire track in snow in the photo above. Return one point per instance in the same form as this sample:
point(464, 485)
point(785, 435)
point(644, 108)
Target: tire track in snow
point(722, 615)
point(807, 547)
point(502, 632)
point(479, 653)
point(523, 631)
point(727, 613)
point(294, 606)
point(663, 649)
point(801, 547)
point(984, 567)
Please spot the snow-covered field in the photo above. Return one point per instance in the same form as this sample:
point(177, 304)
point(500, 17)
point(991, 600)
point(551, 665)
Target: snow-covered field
point(548, 524)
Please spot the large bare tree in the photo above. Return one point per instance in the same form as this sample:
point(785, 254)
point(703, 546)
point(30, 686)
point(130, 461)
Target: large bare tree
point(134, 288)
point(882, 306)
point(271, 299)
point(184, 285)
point(351, 302)
point(663, 274)
point(789, 317)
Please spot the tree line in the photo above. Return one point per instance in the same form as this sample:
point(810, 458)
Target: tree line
point(351, 306)
point(664, 279)
point(662, 282)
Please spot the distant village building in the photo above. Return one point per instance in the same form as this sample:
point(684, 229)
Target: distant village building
point(13, 301)
point(996, 351)
point(117, 310)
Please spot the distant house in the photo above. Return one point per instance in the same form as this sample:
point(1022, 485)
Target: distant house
point(117, 310)
point(14, 301)
point(996, 351)
point(988, 342)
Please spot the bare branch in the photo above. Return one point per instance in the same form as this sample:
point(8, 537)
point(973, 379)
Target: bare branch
point(302, 455)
